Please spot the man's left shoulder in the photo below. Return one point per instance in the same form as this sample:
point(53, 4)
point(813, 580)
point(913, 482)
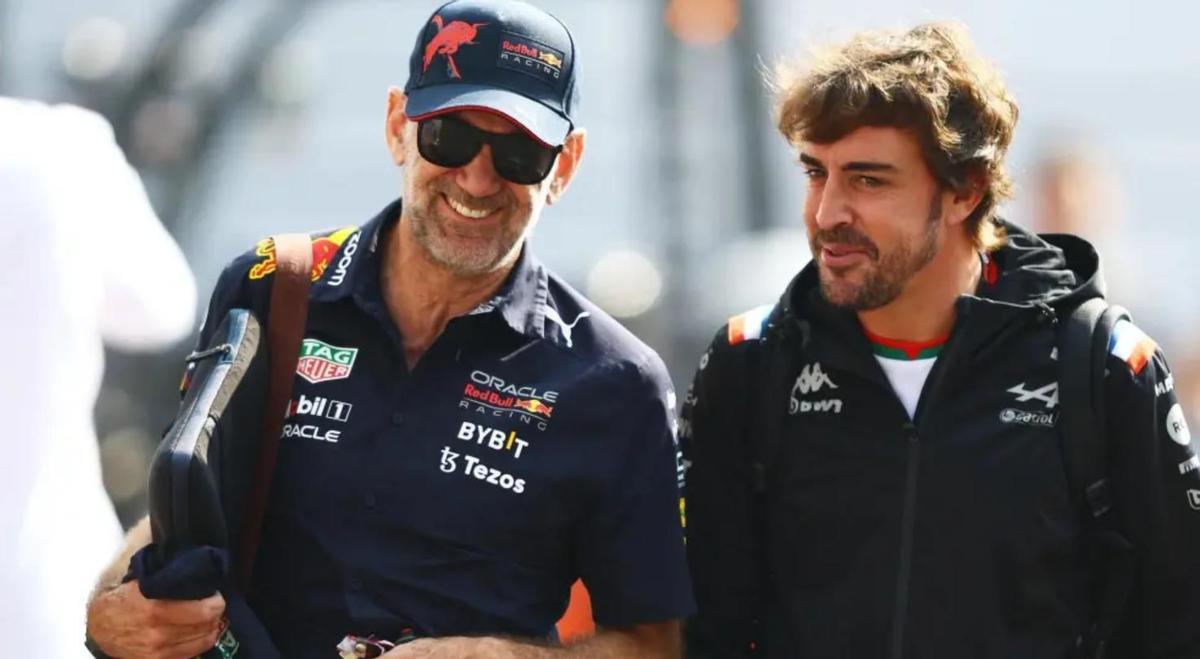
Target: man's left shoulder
point(325, 246)
point(1137, 369)
point(1132, 351)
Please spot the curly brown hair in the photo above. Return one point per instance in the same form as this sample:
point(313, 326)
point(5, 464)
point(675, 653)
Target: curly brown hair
point(929, 80)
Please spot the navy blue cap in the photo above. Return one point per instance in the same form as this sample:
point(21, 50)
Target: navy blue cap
point(502, 56)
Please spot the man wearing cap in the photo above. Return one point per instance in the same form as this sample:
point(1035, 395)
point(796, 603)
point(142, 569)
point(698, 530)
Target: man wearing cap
point(485, 435)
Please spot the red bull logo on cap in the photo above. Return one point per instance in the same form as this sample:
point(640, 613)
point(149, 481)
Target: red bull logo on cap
point(522, 54)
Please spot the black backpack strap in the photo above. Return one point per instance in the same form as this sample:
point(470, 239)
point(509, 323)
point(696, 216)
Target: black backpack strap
point(1082, 356)
point(773, 368)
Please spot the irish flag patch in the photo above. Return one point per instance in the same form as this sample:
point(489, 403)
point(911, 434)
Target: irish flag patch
point(749, 326)
point(1131, 345)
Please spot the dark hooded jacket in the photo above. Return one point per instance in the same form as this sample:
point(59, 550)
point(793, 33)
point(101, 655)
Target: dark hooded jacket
point(951, 534)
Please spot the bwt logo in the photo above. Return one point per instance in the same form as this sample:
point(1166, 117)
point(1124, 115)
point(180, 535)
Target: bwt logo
point(811, 380)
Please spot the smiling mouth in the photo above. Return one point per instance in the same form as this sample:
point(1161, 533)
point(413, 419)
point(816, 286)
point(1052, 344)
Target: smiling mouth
point(467, 211)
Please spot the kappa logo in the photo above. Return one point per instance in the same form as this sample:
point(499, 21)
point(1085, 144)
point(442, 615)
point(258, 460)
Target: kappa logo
point(1047, 395)
point(811, 380)
point(322, 362)
point(448, 40)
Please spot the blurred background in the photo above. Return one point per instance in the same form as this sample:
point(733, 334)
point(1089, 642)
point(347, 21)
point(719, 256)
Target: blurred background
point(258, 116)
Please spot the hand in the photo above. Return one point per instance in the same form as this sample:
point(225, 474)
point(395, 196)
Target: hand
point(127, 625)
point(455, 647)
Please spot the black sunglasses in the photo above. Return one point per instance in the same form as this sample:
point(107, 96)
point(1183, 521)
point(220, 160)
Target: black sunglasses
point(450, 142)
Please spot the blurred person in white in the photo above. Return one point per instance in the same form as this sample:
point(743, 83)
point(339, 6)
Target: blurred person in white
point(1077, 190)
point(87, 263)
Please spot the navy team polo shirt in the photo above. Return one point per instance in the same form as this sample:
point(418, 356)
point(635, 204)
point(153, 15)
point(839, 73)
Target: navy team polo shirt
point(531, 445)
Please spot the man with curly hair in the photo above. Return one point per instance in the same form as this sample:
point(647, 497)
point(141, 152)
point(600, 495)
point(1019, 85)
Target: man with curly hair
point(881, 463)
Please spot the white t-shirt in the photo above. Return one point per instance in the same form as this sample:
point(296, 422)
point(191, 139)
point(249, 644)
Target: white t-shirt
point(908, 378)
point(85, 260)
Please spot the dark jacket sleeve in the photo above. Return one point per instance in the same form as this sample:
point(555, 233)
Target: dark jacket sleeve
point(721, 534)
point(1157, 498)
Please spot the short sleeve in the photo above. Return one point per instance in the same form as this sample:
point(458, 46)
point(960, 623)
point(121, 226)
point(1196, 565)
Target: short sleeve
point(631, 549)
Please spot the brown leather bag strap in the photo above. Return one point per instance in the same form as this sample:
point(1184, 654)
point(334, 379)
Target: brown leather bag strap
point(286, 322)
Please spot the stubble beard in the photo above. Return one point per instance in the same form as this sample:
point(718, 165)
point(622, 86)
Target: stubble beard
point(887, 274)
point(466, 253)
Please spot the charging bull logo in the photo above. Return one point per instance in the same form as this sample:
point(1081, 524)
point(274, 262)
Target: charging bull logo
point(323, 250)
point(534, 406)
point(448, 40)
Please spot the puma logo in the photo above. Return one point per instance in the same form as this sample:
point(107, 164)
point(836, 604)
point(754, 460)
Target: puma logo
point(564, 327)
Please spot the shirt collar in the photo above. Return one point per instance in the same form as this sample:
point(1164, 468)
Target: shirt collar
point(521, 300)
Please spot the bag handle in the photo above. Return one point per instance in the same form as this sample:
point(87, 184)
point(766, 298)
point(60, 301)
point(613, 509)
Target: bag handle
point(286, 321)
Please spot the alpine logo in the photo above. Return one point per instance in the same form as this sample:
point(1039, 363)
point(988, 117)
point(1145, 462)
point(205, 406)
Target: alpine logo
point(321, 362)
point(1047, 395)
point(812, 380)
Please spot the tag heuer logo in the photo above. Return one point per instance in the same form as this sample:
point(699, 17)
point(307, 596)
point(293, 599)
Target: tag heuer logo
point(321, 362)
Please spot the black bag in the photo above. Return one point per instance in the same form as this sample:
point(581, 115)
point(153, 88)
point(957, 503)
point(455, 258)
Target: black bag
point(208, 489)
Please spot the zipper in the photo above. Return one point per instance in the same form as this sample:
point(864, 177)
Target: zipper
point(907, 525)
point(908, 516)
